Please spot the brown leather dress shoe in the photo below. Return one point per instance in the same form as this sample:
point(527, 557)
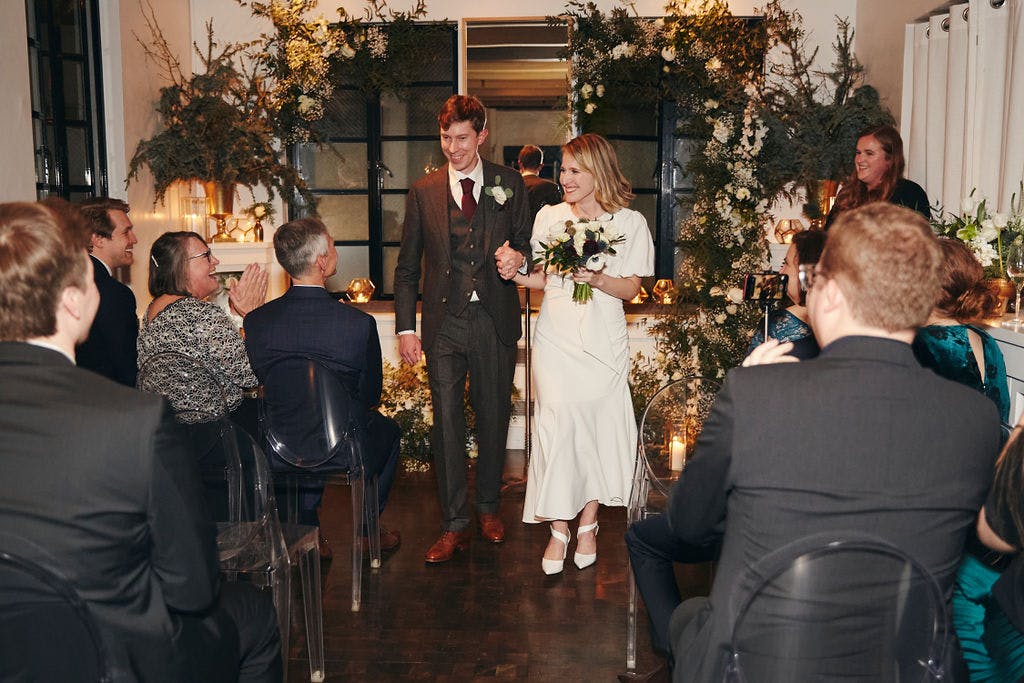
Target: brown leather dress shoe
point(389, 541)
point(444, 548)
point(491, 528)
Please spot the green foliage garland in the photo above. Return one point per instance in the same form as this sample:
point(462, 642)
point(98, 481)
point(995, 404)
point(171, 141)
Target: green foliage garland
point(754, 138)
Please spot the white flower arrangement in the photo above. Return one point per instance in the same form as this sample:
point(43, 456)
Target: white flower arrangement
point(986, 234)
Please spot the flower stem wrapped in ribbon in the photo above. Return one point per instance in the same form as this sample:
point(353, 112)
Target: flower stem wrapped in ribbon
point(580, 244)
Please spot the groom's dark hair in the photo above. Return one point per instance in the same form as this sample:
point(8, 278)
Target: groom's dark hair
point(463, 108)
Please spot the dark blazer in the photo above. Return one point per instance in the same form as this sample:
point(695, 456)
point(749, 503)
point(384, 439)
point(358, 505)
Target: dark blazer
point(861, 438)
point(309, 321)
point(110, 349)
point(96, 474)
point(541, 193)
point(426, 248)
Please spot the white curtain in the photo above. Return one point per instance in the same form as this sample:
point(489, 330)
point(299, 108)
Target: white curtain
point(963, 103)
point(1012, 171)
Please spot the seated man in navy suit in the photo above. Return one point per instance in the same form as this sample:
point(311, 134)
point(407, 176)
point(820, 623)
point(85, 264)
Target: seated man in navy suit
point(110, 348)
point(307, 321)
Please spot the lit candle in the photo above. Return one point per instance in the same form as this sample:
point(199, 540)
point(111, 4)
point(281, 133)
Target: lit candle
point(677, 453)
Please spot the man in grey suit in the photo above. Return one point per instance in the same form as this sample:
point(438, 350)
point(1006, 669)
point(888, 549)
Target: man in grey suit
point(467, 229)
point(97, 484)
point(860, 439)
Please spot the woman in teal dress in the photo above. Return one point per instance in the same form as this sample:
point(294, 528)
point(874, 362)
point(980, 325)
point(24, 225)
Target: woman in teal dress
point(790, 324)
point(992, 648)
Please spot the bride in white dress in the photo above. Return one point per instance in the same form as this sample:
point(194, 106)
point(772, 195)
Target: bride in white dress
point(584, 439)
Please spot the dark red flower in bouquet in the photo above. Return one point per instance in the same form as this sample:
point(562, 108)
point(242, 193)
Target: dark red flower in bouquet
point(590, 247)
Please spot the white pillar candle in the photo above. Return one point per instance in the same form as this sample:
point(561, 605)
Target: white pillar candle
point(677, 453)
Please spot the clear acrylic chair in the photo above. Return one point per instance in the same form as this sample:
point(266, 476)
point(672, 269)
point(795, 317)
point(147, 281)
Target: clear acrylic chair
point(668, 429)
point(205, 401)
point(254, 545)
point(310, 423)
point(838, 606)
point(47, 632)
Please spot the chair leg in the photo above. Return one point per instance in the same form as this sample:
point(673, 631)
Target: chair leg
point(373, 523)
point(312, 601)
point(282, 597)
point(631, 609)
point(357, 541)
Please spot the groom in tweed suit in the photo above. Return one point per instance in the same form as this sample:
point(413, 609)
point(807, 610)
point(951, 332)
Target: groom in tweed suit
point(467, 229)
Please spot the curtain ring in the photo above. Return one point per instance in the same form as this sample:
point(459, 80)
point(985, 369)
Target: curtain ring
point(945, 24)
point(967, 11)
point(996, 4)
point(927, 32)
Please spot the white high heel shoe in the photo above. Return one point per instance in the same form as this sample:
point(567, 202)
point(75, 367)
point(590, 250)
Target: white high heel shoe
point(583, 561)
point(555, 566)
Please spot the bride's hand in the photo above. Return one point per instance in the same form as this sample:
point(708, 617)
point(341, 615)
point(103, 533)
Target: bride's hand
point(595, 279)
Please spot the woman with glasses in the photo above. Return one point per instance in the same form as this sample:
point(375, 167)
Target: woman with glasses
point(790, 324)
point(182, 274)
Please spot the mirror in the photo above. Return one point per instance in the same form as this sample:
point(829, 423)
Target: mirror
point(512, 65)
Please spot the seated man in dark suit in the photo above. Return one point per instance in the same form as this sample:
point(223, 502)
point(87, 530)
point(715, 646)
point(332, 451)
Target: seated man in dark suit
point(540, 191)
point(97, 484)
point(864, 441)
point(307, 321)
point(110, 349)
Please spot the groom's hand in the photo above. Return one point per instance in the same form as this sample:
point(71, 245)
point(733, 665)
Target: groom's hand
point(410, 348)
point(508, 260)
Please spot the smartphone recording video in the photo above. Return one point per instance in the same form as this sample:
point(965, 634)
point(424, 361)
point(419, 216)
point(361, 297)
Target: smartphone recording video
point(764, 286)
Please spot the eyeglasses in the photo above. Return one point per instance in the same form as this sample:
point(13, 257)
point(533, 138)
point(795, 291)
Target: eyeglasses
point(206, 254)
point(806, 275)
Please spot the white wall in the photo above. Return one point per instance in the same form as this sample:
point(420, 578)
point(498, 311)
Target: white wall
point(880, 43)
point(140, 85)
point(17, 172)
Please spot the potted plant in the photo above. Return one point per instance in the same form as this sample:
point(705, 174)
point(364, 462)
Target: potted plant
point(221, 126)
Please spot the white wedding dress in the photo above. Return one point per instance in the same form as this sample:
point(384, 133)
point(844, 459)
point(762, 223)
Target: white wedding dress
point(584, 435)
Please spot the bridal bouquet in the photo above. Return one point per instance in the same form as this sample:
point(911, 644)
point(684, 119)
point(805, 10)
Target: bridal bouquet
point(579, 244)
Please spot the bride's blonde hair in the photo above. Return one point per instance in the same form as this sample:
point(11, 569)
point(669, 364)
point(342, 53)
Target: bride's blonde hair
point(597, 157)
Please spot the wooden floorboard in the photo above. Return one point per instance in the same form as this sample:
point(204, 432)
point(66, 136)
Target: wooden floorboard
point(488, 614)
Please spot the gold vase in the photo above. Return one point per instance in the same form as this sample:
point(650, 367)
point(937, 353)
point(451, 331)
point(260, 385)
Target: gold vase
point(821, 193)
point(220, 198)
point(1003, 289)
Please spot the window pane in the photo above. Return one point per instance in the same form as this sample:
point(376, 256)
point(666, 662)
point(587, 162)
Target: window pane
point(78, 157)
point(394, 214)
point(337, 166)
point(344, 117)
point(69, 17)
point(414, 113)
point(410, 161)
point(74, 91)
point(33, 74)
point(684, 148)
point(346, 216)
point(352, 262)
point(45, 89)
point(647, 204)
point(390, 261)
point(638, 160)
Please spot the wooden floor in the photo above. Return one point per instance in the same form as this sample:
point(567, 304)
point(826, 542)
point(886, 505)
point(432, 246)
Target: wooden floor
point(488, 614)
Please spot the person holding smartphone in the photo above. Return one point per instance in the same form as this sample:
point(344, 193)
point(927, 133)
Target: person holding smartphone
point(790, 324)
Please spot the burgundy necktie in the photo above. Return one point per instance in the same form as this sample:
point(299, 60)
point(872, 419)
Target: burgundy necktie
point(468, 202)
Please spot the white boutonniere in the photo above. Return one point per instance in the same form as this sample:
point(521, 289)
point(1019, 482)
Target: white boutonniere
point(500, 194)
